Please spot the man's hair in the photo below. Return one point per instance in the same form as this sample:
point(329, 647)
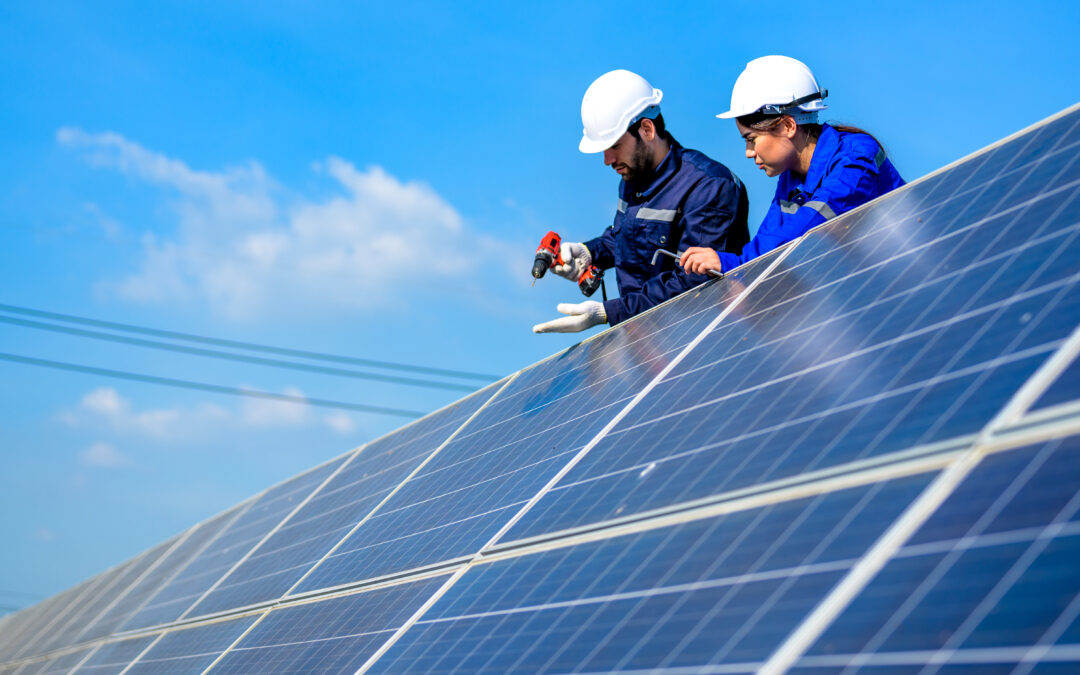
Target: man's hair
point(658, 122)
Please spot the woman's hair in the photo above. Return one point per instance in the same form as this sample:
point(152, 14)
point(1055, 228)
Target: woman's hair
point(759, 121)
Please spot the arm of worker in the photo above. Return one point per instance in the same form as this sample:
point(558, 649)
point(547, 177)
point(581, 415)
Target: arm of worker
point(708, 214)
point(602, 249)
point(847, 184)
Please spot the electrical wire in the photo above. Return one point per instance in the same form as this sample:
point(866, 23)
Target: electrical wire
point(258, 360)
point(250, 346)
point(204, 386)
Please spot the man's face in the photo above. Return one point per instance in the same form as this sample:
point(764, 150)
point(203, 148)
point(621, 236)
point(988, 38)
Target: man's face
point(629, 157)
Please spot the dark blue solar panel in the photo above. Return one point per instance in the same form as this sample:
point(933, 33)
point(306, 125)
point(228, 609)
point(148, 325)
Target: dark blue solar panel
point(29, 624)
point(124, 599)
point(719, 591)
point(114, 657)
point(192, 542)
point(56, 665)
point(991, 575)
point(324, 521)
point(268, 510)
point(516, 444)
point(1065, 389)
point(332, 636)
point(877, 333)
point(190, 650)
point(65, 632)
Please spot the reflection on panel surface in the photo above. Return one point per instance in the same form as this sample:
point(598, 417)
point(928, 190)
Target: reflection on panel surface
point(458, 501)
point(908, 323)
point(712, 592)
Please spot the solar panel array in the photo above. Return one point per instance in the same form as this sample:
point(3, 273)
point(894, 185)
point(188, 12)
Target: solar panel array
point(860, 453)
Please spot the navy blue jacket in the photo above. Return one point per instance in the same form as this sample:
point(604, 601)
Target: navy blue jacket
point(688, 200)
point(847, 170)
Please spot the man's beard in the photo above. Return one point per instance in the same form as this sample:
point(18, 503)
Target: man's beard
point(639, 167)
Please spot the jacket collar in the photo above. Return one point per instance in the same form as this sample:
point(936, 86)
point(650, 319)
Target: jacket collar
point(828, 144)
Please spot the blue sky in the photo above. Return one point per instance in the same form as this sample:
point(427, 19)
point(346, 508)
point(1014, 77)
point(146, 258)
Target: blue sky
point(369, 179)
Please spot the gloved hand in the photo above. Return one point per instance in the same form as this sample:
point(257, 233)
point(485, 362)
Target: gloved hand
point(577, 259)
point(579, 317)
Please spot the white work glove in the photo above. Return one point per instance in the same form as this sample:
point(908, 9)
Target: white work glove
point(577, 259)
point(579, 317)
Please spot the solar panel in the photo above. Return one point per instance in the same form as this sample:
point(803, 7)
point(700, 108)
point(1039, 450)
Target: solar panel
point(858, 453)
point(341, 505)
point(225, 550)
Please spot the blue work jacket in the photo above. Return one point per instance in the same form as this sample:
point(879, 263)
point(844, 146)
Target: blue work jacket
point(847, 170)
point(688, 200)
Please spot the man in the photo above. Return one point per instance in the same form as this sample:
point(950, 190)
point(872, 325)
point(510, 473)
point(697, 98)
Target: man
point(670, 197)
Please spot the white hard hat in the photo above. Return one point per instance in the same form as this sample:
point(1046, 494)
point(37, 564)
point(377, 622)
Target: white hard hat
point(612, 103)
point(777, 84)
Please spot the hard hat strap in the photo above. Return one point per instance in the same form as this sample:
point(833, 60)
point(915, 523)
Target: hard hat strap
point(776, 109)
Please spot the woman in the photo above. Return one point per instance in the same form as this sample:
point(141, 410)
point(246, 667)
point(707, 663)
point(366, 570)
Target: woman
point(824, 170)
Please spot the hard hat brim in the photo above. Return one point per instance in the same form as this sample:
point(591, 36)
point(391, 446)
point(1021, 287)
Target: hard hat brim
point(591, 147)
point(729, 115)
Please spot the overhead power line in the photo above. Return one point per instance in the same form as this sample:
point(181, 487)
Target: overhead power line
point(251, 346)
point(204, 386)
point(229, 356)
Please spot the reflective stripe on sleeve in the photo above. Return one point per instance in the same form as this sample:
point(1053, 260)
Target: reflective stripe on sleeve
point(622, 206)
point(788, 207)
point(879, 158)
point(665, 215)
point(821, 207)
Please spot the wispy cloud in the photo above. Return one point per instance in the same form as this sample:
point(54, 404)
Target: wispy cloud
point(106, 407)
point(245, 246)
point(103, 455)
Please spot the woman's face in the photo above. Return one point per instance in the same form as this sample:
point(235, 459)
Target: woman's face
point(773, 151)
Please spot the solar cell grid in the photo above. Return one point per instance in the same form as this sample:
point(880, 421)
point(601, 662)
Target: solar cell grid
point(114, 657)
point(210, 565)
point(28, 642)
point(332, 636)
point(350, 495)
point(722, 590)
point(123, 601)
point(812, 371)
point(56, 665)
point(191, 650)
point(516, 444)
point(991, 577)
point(191, 543)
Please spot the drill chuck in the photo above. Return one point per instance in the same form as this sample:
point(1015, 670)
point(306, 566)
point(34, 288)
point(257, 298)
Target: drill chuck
point(542, 263)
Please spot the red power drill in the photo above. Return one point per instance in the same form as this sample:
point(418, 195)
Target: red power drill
point(548, 254)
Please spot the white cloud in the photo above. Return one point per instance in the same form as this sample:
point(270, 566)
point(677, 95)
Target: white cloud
point(105, 406)
point(246, 248)
point(340, 422)
point(103, 455)
point(262, 413)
